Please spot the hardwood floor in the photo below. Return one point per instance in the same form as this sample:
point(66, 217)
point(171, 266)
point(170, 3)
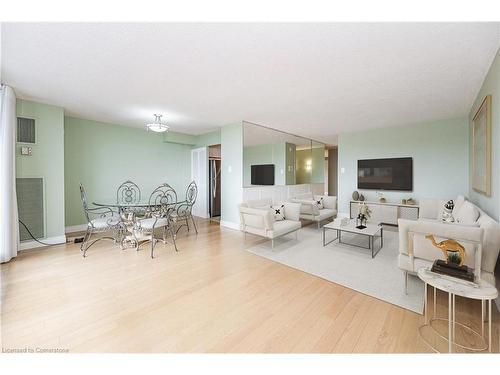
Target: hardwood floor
point(211, 296)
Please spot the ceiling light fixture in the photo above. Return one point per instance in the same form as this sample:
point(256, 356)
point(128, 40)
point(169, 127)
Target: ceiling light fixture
point(157, 126)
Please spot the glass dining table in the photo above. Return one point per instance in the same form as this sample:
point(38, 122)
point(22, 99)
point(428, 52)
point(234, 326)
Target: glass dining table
point(129, 213)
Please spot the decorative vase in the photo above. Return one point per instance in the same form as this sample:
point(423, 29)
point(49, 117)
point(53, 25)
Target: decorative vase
point(382, 200)
point(403, 201)
point(361, 197)
point(410, 201)
point(355, 195)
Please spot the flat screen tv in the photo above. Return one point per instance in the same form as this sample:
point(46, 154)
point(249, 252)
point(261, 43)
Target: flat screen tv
point(386, 174)
point(262, 174)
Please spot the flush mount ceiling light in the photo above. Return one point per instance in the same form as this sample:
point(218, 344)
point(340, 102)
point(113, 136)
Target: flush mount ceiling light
point(157, 126)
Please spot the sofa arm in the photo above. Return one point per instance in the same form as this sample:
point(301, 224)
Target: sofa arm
point(256, 217)
point(413, 241)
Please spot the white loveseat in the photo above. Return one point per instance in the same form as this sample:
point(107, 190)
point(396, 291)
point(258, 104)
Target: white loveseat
point(476, 231)
point(256, 217)
point(309, 207)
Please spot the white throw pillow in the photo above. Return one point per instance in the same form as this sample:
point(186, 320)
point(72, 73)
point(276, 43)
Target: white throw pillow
point(468, 214)
point(458, 204)
point(278, 212)
point(319, 201)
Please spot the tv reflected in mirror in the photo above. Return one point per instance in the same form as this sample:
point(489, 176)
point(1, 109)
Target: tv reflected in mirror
point(262, 174)
point(386, 174)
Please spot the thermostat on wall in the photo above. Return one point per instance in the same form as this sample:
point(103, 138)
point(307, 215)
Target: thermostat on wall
point(26, 151)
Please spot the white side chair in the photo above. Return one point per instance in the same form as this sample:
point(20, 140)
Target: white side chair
point(311, 211)
point(257, 218)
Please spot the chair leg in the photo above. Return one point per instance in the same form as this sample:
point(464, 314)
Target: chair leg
point(173, 238)
point(84, 240)
point(187, 223)
point(194, 224)
point(406, 282)
point(85, 247)
point(152, 244)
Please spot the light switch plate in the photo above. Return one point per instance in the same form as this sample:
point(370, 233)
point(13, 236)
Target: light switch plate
point(26, 151)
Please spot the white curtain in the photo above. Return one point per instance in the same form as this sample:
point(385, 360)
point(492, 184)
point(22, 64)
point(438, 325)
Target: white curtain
point(9, 226)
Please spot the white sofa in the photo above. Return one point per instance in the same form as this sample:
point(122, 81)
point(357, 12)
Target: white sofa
point(309, 208)
point(476, 231)
point(256, 217)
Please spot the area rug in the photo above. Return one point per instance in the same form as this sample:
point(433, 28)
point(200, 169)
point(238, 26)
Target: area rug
point(348, 265)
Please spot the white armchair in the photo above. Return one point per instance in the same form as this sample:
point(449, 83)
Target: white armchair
point(310, 209)
point(257, 218)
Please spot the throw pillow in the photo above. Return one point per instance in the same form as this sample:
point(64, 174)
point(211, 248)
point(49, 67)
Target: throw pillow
point(468, 214)
point(319, 202)
point(458, 204)
point(447, 214)
point(278, 212)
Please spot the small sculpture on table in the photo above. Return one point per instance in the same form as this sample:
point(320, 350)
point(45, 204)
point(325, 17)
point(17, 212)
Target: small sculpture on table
point(454, 258)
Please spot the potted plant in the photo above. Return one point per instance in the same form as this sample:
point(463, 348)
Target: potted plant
point(363, 214)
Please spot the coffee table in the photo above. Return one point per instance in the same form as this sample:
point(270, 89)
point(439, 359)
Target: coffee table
point(371, 231)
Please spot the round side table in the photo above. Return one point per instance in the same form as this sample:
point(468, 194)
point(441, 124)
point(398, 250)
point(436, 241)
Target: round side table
point(482, 291)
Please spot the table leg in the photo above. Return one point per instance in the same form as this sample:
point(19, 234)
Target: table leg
point(482, 318)
point(434, 304)
point(449, 323)
point(453, 318)
point(489, 325)
point(425, 304)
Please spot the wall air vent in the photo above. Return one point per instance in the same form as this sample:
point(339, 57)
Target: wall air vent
point(30, 207)
point(25, 130)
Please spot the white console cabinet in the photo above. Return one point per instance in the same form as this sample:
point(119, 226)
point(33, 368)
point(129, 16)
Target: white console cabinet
point(386, 213)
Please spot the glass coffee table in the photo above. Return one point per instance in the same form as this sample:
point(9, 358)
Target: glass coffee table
point(371, 231)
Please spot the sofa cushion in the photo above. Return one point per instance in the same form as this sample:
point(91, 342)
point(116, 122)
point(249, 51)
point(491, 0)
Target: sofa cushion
point(326, 213)
point(292, 211)
point(283, 227)
point(327, 200)
point(491, 242)
point(468, 214)
point(278, 212)
point(458, 204)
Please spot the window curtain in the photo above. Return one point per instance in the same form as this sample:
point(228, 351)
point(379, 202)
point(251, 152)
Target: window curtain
point(9, 226)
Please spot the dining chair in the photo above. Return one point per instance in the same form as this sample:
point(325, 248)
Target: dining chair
point(99, 220)
point(184, 210)
point(162, 203)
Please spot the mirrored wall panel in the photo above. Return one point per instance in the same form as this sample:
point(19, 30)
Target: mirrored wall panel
point(271, 157)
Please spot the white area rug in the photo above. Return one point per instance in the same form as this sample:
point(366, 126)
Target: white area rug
point(347, 265)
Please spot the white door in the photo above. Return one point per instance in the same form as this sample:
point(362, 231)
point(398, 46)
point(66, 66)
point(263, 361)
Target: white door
point(199, 173)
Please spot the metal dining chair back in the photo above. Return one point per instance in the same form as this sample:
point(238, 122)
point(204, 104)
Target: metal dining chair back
point(162, 200)
point(128, 193)
point(99, 220)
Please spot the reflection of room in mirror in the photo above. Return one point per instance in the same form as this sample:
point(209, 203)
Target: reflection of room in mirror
point(272, 157)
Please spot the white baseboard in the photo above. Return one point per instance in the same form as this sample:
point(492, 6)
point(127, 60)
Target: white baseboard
point(49, 240)
point(230, 225)
point(76, 228)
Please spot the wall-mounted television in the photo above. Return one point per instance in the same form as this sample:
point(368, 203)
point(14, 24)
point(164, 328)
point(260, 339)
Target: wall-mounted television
point(386, 174)
point(262, 174)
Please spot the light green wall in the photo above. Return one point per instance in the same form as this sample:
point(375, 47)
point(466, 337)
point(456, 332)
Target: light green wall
point(264, 154)
point(47, 160)
point(439, 151)
point(231, 173)
point(102, 156)
point(491, 86)
point(208, 139)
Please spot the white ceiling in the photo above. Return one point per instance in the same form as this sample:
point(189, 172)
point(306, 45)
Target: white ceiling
point(314, 80)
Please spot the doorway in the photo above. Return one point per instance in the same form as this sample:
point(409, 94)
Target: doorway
point(214, 182)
